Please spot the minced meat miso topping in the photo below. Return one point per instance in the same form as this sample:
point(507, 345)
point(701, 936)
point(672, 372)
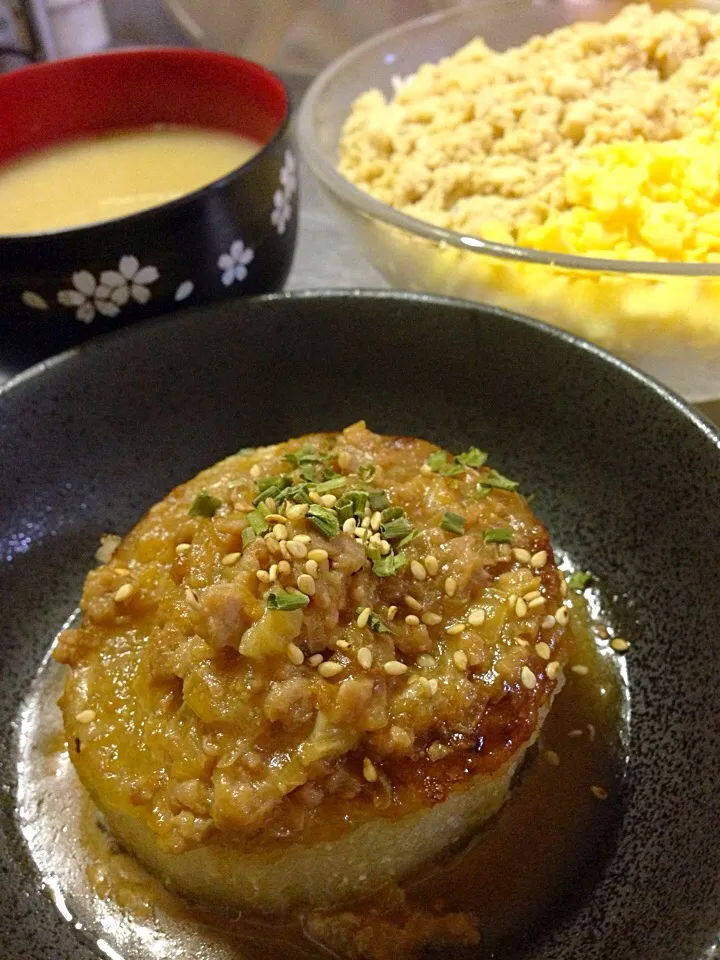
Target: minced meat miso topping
point(314, 633)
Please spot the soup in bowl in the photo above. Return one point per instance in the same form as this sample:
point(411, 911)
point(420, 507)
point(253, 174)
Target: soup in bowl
point(137, 181)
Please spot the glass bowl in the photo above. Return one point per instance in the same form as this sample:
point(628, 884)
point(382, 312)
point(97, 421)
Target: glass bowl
point(663, 317)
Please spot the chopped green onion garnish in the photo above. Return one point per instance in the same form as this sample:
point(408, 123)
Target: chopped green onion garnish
point(375, 623)
point(325, 520)
point(386, 566)
point(248, 535)
point(579, 580)
point(306, 454)
point(498, 535)
point(366, 471)
point(474, 457)
point(279, 599)
point(400, 527)
point(280, 481)
point(439, 463)
point(453, 522)
point(264, 494)
point(299, 493)
point(344, 510)
point(408, 539)
point(257, 522)
point(204, 505)
point(262, 510)
point(392, 513)
point(378, 500)
point(497, 481)
point(331, 484)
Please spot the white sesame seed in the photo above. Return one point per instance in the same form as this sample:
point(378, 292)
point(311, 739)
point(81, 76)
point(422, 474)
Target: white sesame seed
point(284, 552)
point(543, 650)
point(343, 459)
point(369, 771)
point(426, 662)
point(315, 496)
point(548, 622)
point(375, 539)
point(476, 618)
point(521, 555)
point(433, 686)
point(329, 669)
point(365, 523)
point(450, 586)
point(521, 608)
point(367, 512)
point(385, 548)
point(551, 757)
point(306, 584)
point(460, 659)
point(412, 602)
point(328, 499)
point(284, 567)
point(375, 520)
point(124, 592)
point(536, 603)
point(295, 654)
point(363, 617)
point(364, 658)
point(350, 525)
point(361, 533)
point(315, 659)
point(552, 669)
point(619, 644)
point(512, 600)
point(272, 544)
point(296, 510)
point(563, 587)
point(431, 619)
point(580, 669)
point(600, 792)
point(418, 570)
point(311, 567)
point(521, 642)
point(280, 531)
point(270, 504)
point(528, 678)
point(85, 716)
point(342, 644)
point(183, 548)
point(255, 471)
point(561, 615)
point(431, 565)
point(274, 518)
point(263, 576)
point(411, 620)
point(455, 628)
point(425, 684)
point(527, 597)
point(297, 550)
point(318, 555)
point(393, 668)
point(391, 612)
point(539, 559)
point(230, 558)
point(191, 598)
point(273, 572)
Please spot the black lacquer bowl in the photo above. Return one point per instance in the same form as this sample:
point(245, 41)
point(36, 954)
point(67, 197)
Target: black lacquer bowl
point(233, 237)
point(628, 481)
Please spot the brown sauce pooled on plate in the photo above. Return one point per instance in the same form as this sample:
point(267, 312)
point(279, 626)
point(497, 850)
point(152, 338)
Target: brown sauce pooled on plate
point(524, 868)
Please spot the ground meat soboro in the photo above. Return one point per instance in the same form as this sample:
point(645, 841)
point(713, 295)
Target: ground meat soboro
point(314, 666)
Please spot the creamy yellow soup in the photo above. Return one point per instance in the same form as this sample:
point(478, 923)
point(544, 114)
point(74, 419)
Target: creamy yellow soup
point(112, 175)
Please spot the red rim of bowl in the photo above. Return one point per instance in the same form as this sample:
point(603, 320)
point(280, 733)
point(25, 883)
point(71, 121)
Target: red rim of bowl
point(274, 89)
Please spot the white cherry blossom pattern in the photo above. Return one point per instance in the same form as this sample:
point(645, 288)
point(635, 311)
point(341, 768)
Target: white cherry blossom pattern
point(114, 291)
point(184, 290)
point(282, 198)
point(234, 264)
point(81, 296)
point(130, 280)
point(34, 300)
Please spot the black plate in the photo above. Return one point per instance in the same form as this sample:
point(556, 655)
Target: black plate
point(629, 479)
